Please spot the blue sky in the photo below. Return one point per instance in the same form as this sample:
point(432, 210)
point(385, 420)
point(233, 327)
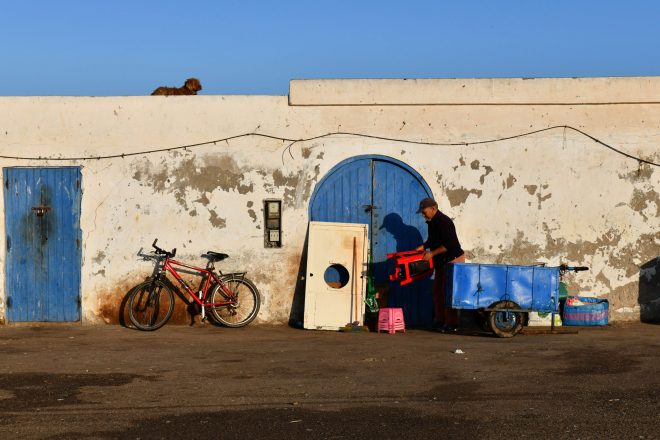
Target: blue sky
point(121, 47)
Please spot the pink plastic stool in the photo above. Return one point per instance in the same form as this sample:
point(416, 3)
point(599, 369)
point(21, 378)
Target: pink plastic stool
point(391, 319)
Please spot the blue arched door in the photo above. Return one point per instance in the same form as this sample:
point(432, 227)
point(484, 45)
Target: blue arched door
point(384, 193)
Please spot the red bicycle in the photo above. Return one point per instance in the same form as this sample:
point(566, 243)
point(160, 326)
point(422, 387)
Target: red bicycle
point(232, 299)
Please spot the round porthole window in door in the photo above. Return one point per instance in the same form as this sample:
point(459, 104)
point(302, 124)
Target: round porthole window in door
point(336, 276)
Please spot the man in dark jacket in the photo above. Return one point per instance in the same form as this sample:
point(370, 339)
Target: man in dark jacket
point(443, 246)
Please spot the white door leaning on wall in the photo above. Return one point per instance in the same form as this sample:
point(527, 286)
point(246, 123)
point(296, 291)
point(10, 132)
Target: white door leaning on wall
point(336, 275)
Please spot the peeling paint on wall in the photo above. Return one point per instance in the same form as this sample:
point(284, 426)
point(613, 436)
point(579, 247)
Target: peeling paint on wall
point(457, 196)
point(205, 174)
point(640, 200)
point(542, 197)
point(644, 172)
point(217, 221)
point(482, 178)
point(509, 182)
point(297, 188)
point(251, 213)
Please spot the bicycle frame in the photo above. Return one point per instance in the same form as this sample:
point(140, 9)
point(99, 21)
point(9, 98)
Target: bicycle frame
point(207, 274)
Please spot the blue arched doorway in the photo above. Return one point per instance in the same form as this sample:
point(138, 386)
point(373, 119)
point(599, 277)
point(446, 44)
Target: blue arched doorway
point(384, 193)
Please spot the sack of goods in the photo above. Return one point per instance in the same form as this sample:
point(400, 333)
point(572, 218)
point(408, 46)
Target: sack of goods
point(585, 311)
point(543, 319)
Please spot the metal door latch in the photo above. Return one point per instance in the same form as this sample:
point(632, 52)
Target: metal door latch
point(40, 210)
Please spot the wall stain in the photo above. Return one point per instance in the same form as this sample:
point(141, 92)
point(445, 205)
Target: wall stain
point(578, 251)
point(542, 198)
point(112, 305)
point(509, 182)
point(205, 174)
point(100, 256)
point(644, 172)
point(457, 196)
point(482, 178)
point(641, 199)
point(297, 188)
point(217, 221)
point(203, 199)
point(644, 249)
point(279, 179)
point(521, 251)
point(604, 280)
point(531, 189)
point(475, 165)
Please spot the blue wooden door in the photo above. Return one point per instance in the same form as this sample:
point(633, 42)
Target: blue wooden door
point(383, 193)
point(42, 223)
point(398, 227)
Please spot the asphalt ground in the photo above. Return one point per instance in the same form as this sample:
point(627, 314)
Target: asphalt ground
point(111, 382)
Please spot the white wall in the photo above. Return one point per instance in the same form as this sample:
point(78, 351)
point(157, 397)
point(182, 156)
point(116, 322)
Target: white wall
point(555, 196)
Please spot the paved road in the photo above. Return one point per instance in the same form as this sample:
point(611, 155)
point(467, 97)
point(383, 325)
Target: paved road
point(282, 383)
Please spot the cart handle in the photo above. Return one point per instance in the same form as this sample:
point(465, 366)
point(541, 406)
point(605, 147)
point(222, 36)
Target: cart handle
point(564, 268)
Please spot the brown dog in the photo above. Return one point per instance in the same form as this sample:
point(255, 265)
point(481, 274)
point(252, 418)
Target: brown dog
point(190, 87)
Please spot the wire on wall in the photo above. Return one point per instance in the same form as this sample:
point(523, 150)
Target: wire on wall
point(293, 142)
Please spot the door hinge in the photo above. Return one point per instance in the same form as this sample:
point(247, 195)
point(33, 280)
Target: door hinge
point(8, 243)
point(9, 302)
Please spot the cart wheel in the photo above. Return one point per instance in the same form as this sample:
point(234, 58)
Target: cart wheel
point(503, 323)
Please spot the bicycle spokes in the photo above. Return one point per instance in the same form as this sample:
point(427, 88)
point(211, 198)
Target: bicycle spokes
point(151, 305)
point(243, 300)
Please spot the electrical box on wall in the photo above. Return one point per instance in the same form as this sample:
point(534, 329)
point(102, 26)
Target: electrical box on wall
point(273, 226)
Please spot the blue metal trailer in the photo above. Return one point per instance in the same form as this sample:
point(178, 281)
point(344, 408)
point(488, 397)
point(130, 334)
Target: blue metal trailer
point(504, 293)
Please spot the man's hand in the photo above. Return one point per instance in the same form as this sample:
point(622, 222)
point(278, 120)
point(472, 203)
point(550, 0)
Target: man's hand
point(420, 247)
point(428, 255)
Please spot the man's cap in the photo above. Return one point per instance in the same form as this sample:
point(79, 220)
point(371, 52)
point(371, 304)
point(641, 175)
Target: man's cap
point(426, 203)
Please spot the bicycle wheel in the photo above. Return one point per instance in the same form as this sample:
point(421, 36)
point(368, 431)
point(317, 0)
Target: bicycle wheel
point(245, 307)
point(151, 305)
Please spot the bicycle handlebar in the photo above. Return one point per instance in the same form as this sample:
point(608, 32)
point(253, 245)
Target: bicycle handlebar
point(564, 267)
point(160, 251)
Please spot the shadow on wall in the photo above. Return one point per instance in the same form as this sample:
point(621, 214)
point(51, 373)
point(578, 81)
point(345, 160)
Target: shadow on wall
point(406, 237)
point(649, 291)
point(297, 313)
point(415, 299)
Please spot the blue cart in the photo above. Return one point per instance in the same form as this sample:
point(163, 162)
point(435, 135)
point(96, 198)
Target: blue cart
point(504, 294)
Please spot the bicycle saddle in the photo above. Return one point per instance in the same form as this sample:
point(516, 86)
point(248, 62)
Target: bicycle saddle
point(215, 256)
